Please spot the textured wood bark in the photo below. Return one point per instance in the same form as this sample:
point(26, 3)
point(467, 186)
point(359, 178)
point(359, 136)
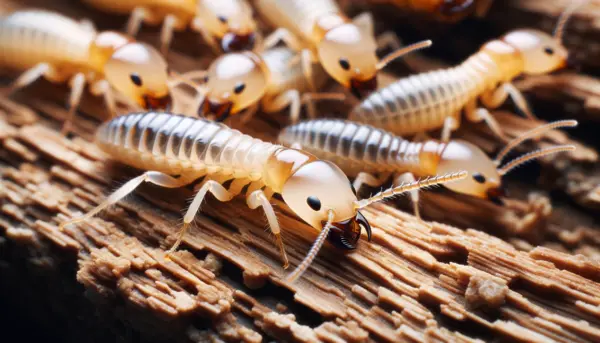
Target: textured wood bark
point(108, 280)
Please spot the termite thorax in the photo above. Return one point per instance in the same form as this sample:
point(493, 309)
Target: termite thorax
point(105, 44)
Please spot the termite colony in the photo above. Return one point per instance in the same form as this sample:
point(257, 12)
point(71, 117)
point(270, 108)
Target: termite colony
point(312, 42)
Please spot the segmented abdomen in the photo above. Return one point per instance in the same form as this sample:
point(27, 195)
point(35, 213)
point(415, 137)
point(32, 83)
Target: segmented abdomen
point(422, 102)
point(354, 147)
point(176, 144)
point(297, 16)
point(34, 36)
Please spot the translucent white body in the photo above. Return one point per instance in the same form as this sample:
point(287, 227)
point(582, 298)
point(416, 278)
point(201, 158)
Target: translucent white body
point(423, 102)
point(358, 148)
point(215, 18)
point(192, 148)
point(68, 48)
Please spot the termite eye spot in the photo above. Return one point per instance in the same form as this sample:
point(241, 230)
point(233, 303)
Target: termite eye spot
point(344, 64)
point(479, 178)
point(205, 79)
point(222, 19)
point(549, 51)
point(136, 79)
point(313, 202)
point(239, 88)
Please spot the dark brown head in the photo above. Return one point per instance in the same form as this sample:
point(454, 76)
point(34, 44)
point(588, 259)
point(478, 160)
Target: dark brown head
point(345, 234)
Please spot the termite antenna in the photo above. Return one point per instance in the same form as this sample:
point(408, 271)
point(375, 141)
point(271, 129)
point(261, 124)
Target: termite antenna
point(533, 155)
point(538, 131)
point(314, 250)
point(403, 51)
point(407, 187)
point(564, 18)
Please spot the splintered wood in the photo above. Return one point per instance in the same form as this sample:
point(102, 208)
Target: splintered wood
point(415, 282)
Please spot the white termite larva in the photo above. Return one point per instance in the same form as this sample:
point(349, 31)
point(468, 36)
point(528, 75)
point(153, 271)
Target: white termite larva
point(173, 145)
point(435, 99)
point(372, 155)
point(60, 49)
point(225, 25)
point(244, 81)
point(321, 33)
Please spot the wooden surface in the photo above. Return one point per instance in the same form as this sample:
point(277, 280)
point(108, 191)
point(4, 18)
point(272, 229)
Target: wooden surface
point(528, 271)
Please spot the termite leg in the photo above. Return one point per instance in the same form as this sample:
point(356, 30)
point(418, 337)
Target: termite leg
point(496, 98)
point(30, 76)
point(154, 177)
point(476, 115)
point(364, 178)
point(216, 189)
point(258, 198)
point(199, 27)
point(519, 99)
point(135, 21)
point(414, 194)
point(307, 61)
point(102, 88)
point(77, 83)
point(166, 33)
point(284, 35)
point(290, 98)
point(293, 99)
point(450, 124)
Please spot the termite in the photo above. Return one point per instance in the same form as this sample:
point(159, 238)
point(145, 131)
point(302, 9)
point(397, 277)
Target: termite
point(174, 145)
point(60, 49)
point(245, 81)
point(225, 25)
point(372, 156)
point(435, 99)
point(322, 33)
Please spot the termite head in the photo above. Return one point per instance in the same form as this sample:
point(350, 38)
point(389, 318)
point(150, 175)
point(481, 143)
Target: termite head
point(231, 21)
point(319, 187)
point(541, 53)
point(485, 179)
point(234, 82)
point(320, 193)
point(140, 72)
point(348, 55)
